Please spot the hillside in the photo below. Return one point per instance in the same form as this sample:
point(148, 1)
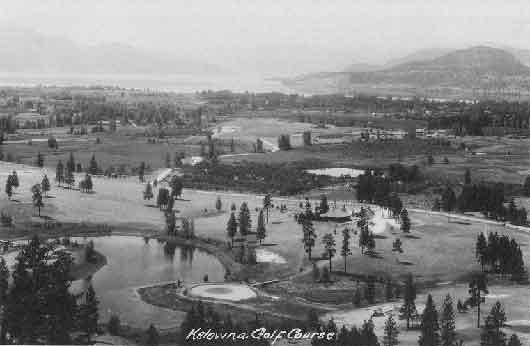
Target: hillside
point(27, 51)
point(474, 67)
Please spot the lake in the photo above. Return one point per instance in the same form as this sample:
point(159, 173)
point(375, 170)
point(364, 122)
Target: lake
point(131, 263)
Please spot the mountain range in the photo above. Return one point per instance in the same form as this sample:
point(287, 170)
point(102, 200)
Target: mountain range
point(27, 51)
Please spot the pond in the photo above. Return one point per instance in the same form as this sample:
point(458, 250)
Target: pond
point(337, 172)
point(133, 262)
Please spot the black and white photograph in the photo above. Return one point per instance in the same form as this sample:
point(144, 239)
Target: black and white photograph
point(265, 172)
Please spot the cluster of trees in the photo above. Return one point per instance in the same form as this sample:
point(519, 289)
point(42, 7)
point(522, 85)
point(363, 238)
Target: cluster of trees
point(38, 306)
point(284, 142)
point(501, 254)
point(11, 183)
point(375, 188)
point(258, 177)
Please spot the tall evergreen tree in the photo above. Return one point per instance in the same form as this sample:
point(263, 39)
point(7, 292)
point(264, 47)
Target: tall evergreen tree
point(218, 204)
point(93, 165)
point(59, 173)
point(329, 247)
point(390, 337)
point(88, 313)
point(245, 223)
point(408, 310)
point(447, 321)
point(481, 249)
point(309, 235)
point(345, 249)
point(40, 160)
point(261, 231)
point(231, 227)
point(71, 163)
point(45, 185)
point(430, 329)
point(405, 221)
point(37, 197)
point(491, 333)
point(514, 341)
point(467, 177)
point(267, 203)
point(148, 192)
point(477, 286)
point(152, 337)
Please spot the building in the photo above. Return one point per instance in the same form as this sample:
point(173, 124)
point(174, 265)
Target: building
point(31, 121)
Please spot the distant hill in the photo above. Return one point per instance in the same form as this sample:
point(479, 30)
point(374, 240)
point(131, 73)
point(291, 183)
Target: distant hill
point(28, 51)
point(464, 68)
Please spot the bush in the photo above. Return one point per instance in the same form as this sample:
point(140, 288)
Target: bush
point(114, 325)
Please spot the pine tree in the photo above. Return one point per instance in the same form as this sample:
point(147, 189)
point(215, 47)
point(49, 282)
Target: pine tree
point(345, 249)
point(447, 321)
point(526, 186)
point(93, 165)
point(37, 197)
point(171, 223)
point(267, 204)
point(408, 310)
point(430, 330)
point(45, 185)
point(231, 227)
point(491, 333)
point(245, 223)
point(390, 337)
point(9, 189)
point(59, 173)
point(148, 192)
point(40, 160)
point(514, 341)
point(405, 221)
point(88, 313)
point(261, 231)
point(69, 177)
point(152, 337)
point(71, 163)
point(329, 247)
point(218, 204)
point(477, 286)
point(397, 245)
point(309, 235)
point(467, 177)
point(481, 249)
point(368, 337)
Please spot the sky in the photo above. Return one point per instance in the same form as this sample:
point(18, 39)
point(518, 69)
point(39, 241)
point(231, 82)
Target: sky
point(278, 36)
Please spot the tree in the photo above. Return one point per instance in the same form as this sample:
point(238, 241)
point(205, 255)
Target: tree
point(93, 165)
point(171, 223)
point(37, 197)
point(514, 341)
point(261, 230)
point(397, 245)
point(447, 321)
point(307, 138)
point(491, 333)
point(13, 179)
point(218, 204)
point(141, 172)
point(162, 199)
point(59, 173)
point(390, 337)
point(40, 160)
point(267, 203)
point(467, 177)
point(405, 221)
point(245, 223)
point(88, 313)
point(70, 164)
point(408, 310)
point(9, 189)
point(329, 247)
point(148, 192)
point(368, 337)
point(345, 249)
point(176, 186)
point(284, 142)
point(231, 227)
point(45, 185)
point(152, 337)
point(477, 286)
point(309, 235)
point(114, 325)
point(430, 330)
point(324, 207)
point(69, 177)
point(481, 248)
point(4, 286)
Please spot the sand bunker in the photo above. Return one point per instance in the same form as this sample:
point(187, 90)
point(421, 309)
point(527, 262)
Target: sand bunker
point(232, 292)
point(267, 256)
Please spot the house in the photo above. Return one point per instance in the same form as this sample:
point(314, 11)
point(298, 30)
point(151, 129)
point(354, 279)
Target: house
point(31, 121)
